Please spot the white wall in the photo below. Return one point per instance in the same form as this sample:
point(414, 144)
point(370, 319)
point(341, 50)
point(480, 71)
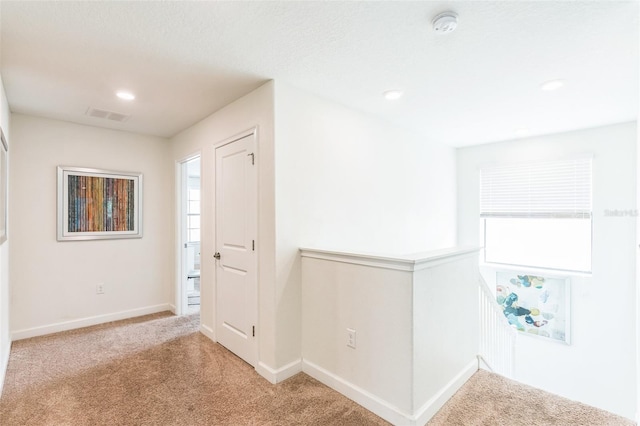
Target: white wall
point(445, 305)
point(327, 176)
point(598, 368)
point(254, 109)
point(637, 249)
point(5, 337)
point(55, 284)
point(346, 181)
point(375, 302)
point(353, 182)
point(416, 342)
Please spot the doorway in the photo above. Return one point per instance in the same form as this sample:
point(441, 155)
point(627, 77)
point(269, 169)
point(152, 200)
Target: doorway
point(190, 236)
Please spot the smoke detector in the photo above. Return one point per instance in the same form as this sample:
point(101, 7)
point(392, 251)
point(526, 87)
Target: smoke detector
point(445, 22)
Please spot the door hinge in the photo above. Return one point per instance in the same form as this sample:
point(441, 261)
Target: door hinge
point(253, 331)
point(253, 158)
point(253, 245)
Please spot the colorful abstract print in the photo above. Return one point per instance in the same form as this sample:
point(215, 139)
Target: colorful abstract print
point(535, 305)
point(99, 204)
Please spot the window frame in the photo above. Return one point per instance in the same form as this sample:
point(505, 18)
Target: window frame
point(512, 215)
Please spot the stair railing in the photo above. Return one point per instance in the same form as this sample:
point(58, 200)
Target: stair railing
point(497, 337)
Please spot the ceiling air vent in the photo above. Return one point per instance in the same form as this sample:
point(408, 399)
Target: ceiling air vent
point(107, 115)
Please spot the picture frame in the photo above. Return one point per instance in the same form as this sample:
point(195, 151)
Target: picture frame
point(4, 148)
point(536, 305)
point(96, 204)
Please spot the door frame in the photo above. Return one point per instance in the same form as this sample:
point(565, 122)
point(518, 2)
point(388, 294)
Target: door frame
point(180, 294)
point(253, 132)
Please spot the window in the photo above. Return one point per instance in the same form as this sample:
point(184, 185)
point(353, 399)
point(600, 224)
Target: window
point(538, 214)
point(193, 215)
point(193, 201)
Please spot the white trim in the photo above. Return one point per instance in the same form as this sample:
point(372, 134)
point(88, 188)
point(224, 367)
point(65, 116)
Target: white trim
point(556, 273)
point(484, 365)
point(282, 373)
point(410, 263)
point(3, 368)
point(172, 308)
point(240, 135)
point(180, 255)
point(369, 401)
point(383, 408)
point(87, 321)
point(431, 407)
point(208, 331)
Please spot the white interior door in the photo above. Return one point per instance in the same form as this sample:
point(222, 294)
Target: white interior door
point(236, 266)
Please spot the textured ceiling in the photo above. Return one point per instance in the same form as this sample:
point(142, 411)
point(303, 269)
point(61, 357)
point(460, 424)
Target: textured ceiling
point(185, 60)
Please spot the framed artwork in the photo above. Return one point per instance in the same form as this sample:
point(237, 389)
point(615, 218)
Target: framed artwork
point(3, 187)
point(536, 305)
point(96, 204)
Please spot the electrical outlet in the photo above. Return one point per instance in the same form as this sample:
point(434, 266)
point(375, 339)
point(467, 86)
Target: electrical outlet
point(100, 288)
point(351, 338)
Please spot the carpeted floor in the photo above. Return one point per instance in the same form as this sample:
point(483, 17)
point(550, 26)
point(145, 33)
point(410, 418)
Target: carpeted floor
point(158, 370)
point(491, 400)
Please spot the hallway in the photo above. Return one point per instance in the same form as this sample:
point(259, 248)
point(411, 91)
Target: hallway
point(156, 370)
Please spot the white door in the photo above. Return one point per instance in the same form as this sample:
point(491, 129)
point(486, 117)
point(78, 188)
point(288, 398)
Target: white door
point(236, 266)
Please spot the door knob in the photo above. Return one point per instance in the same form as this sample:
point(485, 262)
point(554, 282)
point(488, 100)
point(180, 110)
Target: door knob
point(217, 255)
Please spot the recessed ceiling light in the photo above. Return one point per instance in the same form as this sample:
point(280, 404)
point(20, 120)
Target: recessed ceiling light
point(127, 96)
point(392, 94)
point(551, 85)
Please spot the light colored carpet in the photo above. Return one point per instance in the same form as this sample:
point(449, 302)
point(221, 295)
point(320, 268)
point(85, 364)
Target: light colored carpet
point(488, 399)
point(156, 370)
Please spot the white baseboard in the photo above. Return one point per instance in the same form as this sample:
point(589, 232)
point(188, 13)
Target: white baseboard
point(172, 308)
point(208, 331)
point(383, 408)
point(431, 407)
point(3, 367)
point(483, 364)
point(282, 373)
point(86, 322)
point(369, 401)
point(272, 375)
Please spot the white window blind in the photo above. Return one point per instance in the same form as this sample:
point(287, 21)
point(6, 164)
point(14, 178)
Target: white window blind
point(551, 189)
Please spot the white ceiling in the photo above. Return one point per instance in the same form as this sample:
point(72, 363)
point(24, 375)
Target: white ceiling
point(185, 60)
